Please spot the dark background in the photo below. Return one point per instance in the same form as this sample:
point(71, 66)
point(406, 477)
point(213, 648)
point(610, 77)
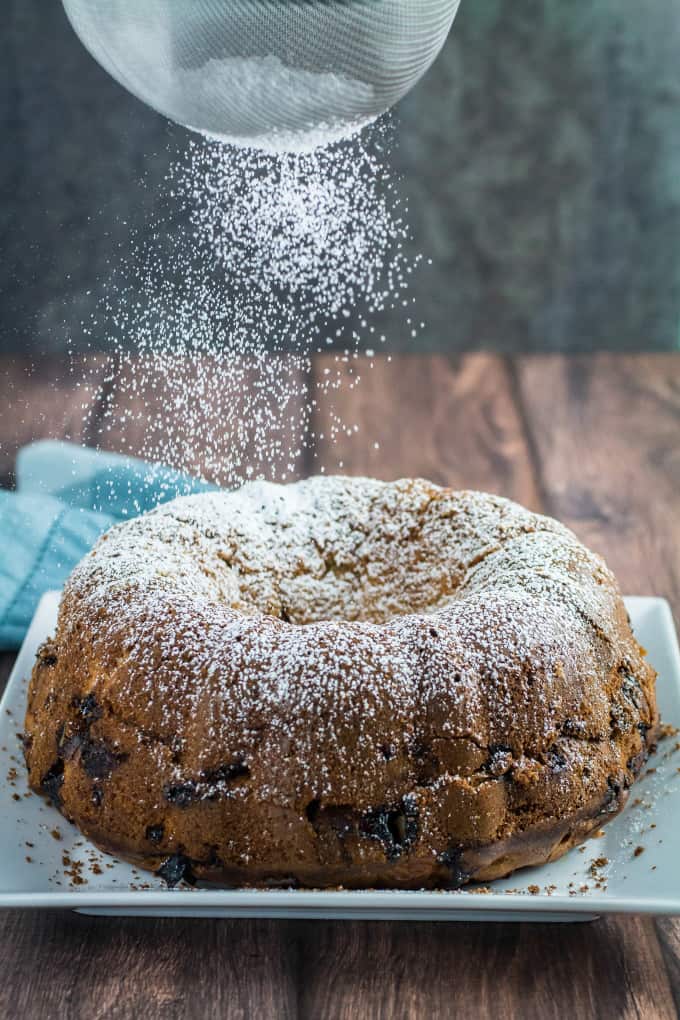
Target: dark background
point(541, 158)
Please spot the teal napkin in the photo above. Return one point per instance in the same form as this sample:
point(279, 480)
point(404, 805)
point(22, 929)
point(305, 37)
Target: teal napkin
point(65, 497)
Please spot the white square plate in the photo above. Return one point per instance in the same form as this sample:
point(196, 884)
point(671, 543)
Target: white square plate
point(33, 873)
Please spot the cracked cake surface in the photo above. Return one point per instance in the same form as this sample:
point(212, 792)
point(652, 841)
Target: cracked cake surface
point(340, 682)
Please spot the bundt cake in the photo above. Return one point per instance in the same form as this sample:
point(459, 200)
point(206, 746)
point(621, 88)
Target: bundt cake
point(339, 682)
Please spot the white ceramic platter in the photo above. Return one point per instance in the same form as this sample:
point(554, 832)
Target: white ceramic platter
point(33, 873)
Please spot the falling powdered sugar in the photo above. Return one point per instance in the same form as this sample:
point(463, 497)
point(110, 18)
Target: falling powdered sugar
point(254, 264)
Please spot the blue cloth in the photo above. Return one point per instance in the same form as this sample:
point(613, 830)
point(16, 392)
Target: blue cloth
point(65, 497)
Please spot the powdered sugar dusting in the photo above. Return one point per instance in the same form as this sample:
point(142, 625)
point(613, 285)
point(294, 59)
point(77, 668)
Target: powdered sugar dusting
point(322, 679)
point(318, 608)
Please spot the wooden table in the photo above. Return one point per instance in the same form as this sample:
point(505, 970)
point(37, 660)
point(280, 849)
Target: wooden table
point(591, 440)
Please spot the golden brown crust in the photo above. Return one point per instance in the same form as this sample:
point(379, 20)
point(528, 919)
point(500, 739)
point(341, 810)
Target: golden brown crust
point(238, 692)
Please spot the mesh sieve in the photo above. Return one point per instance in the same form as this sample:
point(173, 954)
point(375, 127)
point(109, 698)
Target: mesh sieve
point(272, 74)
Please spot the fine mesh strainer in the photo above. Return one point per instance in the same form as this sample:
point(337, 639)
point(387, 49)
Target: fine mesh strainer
point(272, 74)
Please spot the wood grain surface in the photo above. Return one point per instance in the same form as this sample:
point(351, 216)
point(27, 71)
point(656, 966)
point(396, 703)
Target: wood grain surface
point(46, 398)
point(592, 440)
